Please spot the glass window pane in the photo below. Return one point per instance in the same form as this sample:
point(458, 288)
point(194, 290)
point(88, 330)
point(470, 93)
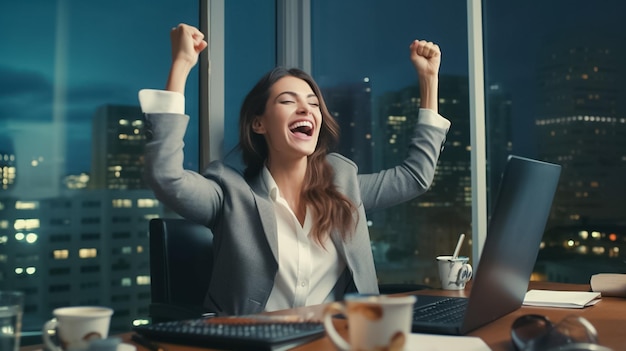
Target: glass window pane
point(72, 200)
point(555, 91)
point(361, 61)
point(250, 51)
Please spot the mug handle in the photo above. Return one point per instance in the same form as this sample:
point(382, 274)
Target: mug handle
point(338, 340)
point(48, 327)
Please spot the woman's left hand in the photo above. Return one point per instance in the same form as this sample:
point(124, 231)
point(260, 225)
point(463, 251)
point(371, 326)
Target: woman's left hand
point(426, 57)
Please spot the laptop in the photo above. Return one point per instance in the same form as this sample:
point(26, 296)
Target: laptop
point(514, 234)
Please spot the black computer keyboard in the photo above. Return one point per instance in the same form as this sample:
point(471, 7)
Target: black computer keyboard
point(448, 310)
point(234, 333)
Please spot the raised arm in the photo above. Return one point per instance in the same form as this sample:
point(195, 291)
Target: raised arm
point(415, 174)
point(187, 43)
point(426, 58)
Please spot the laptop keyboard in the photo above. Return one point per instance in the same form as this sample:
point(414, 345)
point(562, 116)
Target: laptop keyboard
point(234, 333)
point(449, 310)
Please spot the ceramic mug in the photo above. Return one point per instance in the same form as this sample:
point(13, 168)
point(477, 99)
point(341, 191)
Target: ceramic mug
point(454, 273)
point(375, 322)
point(75, 327)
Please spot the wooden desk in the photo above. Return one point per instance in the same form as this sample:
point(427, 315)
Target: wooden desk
point(608, 316)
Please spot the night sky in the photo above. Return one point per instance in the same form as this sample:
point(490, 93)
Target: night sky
point(111, 54)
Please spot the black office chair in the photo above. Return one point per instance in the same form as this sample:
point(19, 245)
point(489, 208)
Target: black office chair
point(181, 258)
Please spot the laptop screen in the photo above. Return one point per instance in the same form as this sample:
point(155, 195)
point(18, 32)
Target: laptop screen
point(514, 233)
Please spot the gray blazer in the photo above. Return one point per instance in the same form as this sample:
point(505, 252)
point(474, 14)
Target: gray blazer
point(241, 215)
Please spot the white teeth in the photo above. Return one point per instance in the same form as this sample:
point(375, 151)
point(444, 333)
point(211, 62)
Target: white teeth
point(301, 124)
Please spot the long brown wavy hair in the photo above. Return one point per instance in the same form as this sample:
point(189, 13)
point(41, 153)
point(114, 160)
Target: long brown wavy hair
point(331, 209)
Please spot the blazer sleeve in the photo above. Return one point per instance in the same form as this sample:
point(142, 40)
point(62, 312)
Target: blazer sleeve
point(186, 192)
point(414, 175)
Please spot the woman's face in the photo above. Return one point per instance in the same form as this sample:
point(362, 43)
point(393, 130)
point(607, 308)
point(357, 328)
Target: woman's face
point(292, 119)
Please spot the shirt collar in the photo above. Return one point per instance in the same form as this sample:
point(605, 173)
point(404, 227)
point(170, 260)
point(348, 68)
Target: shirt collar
point(270, 183)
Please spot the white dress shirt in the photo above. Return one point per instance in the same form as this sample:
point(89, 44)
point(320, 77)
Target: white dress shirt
point(307, 272)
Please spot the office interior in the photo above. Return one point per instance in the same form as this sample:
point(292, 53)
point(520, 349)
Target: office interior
point(535, 79)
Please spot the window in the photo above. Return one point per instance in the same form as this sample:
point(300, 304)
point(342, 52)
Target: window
point(554, 91)
point(360, 58)
point(70, 143)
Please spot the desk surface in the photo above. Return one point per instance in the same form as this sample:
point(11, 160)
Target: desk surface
point(607, 316)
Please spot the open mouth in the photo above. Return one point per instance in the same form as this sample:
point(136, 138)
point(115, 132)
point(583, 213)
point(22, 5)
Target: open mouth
point(302, 127)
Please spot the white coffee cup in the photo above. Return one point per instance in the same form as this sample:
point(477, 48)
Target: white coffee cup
point(454, 273)
point(75, 327)
point(375, 322)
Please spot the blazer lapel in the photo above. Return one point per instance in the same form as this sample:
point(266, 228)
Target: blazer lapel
point(265, 209)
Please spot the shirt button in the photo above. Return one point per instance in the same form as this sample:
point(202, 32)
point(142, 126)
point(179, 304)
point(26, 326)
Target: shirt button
point(303, 284)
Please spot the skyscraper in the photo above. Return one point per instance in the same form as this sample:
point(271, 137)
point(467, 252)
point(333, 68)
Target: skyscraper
point(117, 148)
point(7, 170)
point(351, 105)
point(581, 125)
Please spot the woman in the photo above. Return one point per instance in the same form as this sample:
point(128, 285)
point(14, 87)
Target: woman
point(291, 231)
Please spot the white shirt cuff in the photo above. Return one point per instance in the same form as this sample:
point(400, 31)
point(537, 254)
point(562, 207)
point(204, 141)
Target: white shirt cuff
point(432, 118)
point(161, 101)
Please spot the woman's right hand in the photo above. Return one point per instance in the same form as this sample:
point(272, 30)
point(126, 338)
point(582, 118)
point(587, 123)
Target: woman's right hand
point(187, 43)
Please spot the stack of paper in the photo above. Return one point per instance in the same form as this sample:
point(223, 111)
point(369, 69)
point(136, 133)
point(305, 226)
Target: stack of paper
point(428, 342)
point(564, 299)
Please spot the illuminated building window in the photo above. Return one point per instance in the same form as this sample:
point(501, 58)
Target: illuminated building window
point(598, 250)
point(126, 282)
point(127, 250)
point(88, 253)
point(31, 238)
point(4, 224)
point(122, 203)
point(148, 216)
point(139, 249)
point(147, 203)
point(143, 280)
point(26, 205)
point(138, 322)
point(25, 224)
point(60, 254)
